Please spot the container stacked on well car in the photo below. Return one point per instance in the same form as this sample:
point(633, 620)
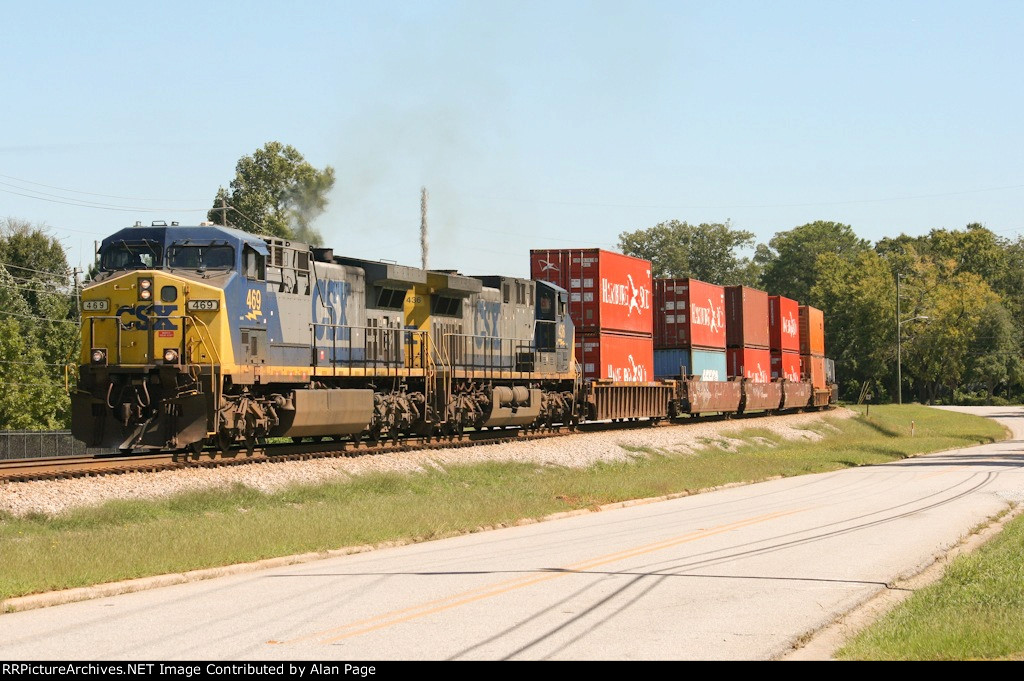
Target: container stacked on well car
point(610, 304)
point(689, 329)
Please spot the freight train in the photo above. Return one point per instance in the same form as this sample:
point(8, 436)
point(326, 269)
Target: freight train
point(196, 336)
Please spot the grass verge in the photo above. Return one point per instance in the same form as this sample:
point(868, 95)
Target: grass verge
point(976, 611)
point(128, 539)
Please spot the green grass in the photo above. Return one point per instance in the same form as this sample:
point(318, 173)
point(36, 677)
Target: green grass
point(126, 539)
point(975, 612)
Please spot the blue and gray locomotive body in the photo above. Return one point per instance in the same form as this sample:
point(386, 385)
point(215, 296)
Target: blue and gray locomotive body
point(197, 335)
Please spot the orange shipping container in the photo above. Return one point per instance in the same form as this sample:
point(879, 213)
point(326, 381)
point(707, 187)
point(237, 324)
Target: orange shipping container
point(812, 331)
point(813, 368)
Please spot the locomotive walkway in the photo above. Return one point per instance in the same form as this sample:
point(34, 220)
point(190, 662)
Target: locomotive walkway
point(741, 573)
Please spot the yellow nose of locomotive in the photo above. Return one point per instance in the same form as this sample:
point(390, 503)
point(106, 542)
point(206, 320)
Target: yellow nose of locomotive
point(143, 318)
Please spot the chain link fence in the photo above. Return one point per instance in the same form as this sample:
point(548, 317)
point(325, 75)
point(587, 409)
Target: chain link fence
point(33, 444)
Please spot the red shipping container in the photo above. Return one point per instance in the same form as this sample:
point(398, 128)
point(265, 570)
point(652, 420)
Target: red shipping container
point(607, 291)
point(688, 313)
point(615, 356)
point(812, 331)
point(746, 317)
point(786, 365)
point(752, 363)
point(813, 368)
point(783, 324)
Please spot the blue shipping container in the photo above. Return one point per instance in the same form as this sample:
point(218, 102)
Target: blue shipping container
point(709, 365)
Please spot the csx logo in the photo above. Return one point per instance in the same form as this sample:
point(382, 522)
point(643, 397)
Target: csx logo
point(146, 313)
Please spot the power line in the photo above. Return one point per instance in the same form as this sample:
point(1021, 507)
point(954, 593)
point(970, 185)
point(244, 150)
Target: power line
point(29, 269)
point(40, 319)
point(108, 196)
point(127, 209)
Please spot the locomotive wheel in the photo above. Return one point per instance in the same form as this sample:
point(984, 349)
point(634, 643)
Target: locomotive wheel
point(224, 442)
point(195, 449)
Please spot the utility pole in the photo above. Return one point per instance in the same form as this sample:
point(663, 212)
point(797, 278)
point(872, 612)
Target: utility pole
point(899, 345)
point(423, 225)
point(224, 210)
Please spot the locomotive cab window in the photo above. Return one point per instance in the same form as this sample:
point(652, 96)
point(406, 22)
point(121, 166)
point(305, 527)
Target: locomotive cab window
point(126, 255)
point(201, 258)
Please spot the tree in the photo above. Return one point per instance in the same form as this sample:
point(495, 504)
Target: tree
point(705, 251)
point(790, 260)
point(38, 327)
point(275, 191)
point(859, 301)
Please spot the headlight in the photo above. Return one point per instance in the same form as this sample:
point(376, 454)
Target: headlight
point(99, 356)
point(171, 356)
point(145, 288)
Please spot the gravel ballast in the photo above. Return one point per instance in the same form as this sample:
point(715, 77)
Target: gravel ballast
point(579, 450)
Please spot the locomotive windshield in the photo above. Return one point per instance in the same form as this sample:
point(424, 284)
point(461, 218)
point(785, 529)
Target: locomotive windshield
point(130, 255)
point(210, 257)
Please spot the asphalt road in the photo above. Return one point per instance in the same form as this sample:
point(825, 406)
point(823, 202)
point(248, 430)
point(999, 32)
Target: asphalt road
point(740, 573)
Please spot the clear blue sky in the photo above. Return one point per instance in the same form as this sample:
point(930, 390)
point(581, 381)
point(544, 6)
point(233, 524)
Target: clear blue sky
point(532, 124)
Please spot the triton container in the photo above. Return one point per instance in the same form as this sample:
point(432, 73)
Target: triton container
point(688, 313)
point(783, 324)
point(746, 317)
point(607, 291)
point(615, 356)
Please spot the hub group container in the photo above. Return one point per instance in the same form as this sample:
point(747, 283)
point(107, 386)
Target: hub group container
point(616, 356)
point(786, 365)
point(746, 317)
point(707, 365)
point(607, 291)
point(783, 324)
point(688, 313)
point(752, 363)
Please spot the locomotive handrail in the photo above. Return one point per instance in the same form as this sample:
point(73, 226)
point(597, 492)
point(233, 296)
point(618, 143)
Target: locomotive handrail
point(470, 359)
point(396, 356)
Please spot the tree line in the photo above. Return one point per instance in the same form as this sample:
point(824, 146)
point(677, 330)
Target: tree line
point(959, 305)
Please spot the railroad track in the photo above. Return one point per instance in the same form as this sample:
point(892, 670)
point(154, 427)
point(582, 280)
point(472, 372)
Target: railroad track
point(56, 468)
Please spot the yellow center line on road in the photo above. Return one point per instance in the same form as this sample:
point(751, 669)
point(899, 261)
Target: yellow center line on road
point(490, 590)
point(948, 470)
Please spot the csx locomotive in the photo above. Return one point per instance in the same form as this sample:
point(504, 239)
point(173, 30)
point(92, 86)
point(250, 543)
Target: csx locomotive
point(209, 335)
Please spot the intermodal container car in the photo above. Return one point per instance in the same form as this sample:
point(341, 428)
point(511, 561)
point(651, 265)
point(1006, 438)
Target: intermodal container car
point(615, 356)
point(607, 291)
point(752, 363)
point(786, 365)
point(688, 313)
point(812, 331)
point(746, 317)
point(708, 365)
point(783, 324)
